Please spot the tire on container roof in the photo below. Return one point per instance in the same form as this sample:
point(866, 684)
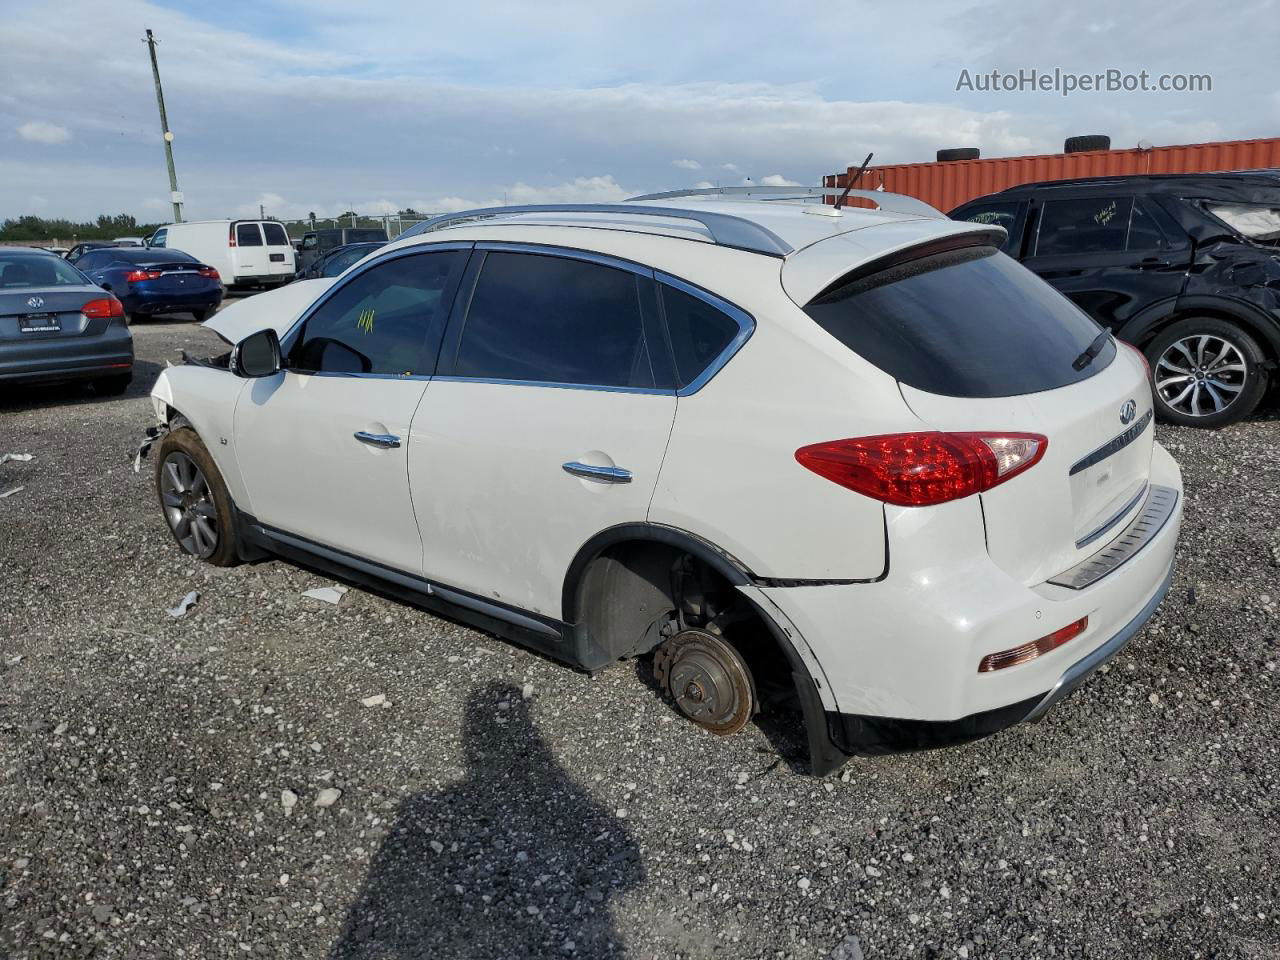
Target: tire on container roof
point(1093, 141)
point(958, 153)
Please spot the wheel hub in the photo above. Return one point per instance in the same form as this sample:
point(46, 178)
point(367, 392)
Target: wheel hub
point(708, 680)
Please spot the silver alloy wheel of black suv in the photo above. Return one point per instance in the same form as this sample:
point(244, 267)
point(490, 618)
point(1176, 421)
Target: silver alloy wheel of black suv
point(1206, 372)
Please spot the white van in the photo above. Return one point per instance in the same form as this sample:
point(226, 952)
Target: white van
point(245, 252)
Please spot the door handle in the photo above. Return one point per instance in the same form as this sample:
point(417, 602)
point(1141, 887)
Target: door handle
point(387, 441)
point(603, 474)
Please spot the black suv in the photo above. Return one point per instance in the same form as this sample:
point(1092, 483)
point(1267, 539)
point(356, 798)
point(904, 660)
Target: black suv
point(1184, 266)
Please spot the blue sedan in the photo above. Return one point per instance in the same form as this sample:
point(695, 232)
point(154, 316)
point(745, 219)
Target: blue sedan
point(152, 281)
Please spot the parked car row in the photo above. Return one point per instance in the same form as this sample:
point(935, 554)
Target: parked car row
point(1186, 267)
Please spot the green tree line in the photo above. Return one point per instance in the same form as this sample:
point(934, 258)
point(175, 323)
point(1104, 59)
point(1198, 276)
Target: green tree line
point(106, 227)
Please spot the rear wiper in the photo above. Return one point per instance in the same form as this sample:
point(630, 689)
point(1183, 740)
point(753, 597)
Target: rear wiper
point(1091, 351)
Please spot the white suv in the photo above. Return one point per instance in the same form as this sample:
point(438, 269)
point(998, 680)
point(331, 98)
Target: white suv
point(856, 458)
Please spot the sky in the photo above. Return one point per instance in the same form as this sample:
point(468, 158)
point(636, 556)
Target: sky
point(330, 105)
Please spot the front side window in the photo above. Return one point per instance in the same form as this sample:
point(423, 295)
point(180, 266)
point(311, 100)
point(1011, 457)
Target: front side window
point(309, 242)
point(386, 320)
point(248, 235)
point(551, 319)
point(1093, 225)
point(276, 237)
point(969, 322)
point(159, 238)
point(699, 333)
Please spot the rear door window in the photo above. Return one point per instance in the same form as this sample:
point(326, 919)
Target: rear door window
point(386, 321)
point(1092, 225)
point(969, 322)
point(549, 319)
point(248, 235)
point(276, 237)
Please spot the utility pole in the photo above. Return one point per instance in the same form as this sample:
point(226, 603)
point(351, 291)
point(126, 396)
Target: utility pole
point(174, 194)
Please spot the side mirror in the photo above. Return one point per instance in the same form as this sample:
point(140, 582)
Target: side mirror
point(257, 355)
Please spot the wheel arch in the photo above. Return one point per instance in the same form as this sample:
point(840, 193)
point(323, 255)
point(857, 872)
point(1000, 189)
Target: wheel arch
point(1142, 329)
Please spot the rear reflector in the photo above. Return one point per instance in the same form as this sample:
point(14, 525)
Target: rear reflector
point(923, 469)
point(106, 307)
point(1029, 651)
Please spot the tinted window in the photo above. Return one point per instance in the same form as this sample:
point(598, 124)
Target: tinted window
point(554, 320)
point(997, 214)
point(248, 235)
point(366, 236)
point(1144, 232)
point(159, 238)
point(967, 323)
point(341, 259)
point(699, 333)
point(382, 321)
point(22, 270)
point(92, 261)
point(1095, 225)
point(309, 242)
point(276, 237)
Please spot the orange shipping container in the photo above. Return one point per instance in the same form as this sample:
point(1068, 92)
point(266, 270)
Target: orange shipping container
point(949, 184)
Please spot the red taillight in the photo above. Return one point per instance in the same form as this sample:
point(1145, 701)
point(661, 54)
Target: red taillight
point(137, 276)
point(231, 236)
point(1029, 651)
point(922, 469)
point(209, 272)
point(106, 307)
point(1141, 356)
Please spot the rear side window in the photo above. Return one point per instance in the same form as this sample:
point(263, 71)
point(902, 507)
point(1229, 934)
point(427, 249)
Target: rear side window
point(1002, 214)
point(964, 323)
point(554, 320)
point(1093, 225)
point(276, 237)
point(248, 235)
point(386, 320)
point(699, 333)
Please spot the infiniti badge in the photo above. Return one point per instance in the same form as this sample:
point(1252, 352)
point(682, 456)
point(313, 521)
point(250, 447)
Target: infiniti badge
point(1128, 411)
point(35, 303)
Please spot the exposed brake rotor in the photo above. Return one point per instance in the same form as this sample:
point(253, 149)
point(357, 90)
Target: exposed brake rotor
point(708, 680)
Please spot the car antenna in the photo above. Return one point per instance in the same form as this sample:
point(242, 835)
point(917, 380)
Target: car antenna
point(853, 180)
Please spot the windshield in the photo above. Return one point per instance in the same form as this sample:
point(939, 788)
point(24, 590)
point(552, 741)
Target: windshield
point(1257, 221)
point(963, 323)
point(19, 270)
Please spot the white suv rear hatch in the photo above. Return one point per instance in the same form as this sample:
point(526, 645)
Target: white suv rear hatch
point(979, 343)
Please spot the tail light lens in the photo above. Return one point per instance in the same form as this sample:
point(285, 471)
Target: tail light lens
point(209, 272)
point(106, 307)
point(923, 469)
point(1029, 651)
point(231, 235)
point(137, 276)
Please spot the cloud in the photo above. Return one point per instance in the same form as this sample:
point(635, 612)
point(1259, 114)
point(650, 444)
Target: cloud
point(732, 168)
point(687, 164)
point(703, 185)
point(37, 131)
point(777, 180)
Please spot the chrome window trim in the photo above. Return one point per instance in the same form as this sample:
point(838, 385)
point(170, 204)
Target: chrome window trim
point(418, 248)
point(1114, 445)
point(567, 253)
point(746, 327)
point(498, 381)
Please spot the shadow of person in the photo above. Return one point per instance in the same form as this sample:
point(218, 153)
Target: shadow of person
point(516, 860)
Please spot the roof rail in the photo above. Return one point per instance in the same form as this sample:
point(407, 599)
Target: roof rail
point(724, 229)
point(891, 202)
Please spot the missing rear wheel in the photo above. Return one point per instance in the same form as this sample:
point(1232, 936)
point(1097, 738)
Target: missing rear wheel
point(708, 680)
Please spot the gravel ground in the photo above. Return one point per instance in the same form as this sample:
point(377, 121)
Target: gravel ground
point(214, 787)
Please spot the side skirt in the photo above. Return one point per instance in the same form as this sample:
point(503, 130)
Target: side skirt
point(544, 635)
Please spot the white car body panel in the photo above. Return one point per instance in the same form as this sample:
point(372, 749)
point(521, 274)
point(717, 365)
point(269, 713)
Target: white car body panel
point(499, 515)
point(276, 310)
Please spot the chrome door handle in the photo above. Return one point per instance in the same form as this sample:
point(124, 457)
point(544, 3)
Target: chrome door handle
point(388, 441)
point(603, 474)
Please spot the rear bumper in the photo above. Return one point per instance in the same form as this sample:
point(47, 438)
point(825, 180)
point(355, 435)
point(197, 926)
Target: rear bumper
point(901, 656)
point(67, 358)
point(164, 301)
point(261, 279)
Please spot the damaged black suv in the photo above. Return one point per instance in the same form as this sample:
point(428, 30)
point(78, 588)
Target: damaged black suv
point(1184, 266)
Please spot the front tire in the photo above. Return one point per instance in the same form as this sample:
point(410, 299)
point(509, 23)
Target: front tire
point(200, 315)
point(194, 499)
point(1206, 372)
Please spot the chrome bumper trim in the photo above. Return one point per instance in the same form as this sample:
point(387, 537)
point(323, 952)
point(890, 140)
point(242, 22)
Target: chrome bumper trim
point(1081, 669)
point(1156, 511)
point(1098, 532)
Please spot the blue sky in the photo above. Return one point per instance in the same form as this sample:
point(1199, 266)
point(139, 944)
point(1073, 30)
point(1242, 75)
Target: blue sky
point(320, 105)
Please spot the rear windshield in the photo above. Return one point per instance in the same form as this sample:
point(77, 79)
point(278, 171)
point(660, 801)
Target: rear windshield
point(965, 323)
point(22, 270)
point(276, 237)
point(365, 236)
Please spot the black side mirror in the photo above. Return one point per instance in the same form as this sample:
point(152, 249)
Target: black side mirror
point(257, 355)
